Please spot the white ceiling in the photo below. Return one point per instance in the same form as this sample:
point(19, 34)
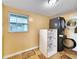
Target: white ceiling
point(42, 7)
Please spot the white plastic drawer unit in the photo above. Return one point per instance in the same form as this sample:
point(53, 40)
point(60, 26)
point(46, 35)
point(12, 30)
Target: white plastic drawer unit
point(48, 42)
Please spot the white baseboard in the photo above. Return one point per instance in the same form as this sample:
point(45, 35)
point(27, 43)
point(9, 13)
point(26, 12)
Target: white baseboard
point(16, 53)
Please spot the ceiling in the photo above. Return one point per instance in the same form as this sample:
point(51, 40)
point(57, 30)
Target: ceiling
point(42, 7)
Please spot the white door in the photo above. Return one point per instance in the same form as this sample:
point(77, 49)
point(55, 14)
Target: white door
point(52, 42)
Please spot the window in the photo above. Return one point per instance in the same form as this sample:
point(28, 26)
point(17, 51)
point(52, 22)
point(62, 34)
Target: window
point(18, 23)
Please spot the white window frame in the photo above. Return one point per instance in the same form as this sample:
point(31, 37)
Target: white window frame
point(22, 24)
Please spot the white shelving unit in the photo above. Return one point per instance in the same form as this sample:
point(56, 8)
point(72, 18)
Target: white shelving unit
point(48, 42)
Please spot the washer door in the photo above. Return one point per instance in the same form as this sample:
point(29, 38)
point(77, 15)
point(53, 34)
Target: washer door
point(71, 23)
point(69, 43)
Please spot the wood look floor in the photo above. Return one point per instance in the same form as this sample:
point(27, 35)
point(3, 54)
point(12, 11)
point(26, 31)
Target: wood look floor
point(36, 54)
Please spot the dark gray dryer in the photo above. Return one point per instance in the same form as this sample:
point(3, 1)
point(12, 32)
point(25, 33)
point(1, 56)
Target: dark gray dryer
point(58, 23)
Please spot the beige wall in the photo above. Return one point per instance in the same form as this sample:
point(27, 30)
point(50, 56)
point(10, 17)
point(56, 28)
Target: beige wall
point(14, 42)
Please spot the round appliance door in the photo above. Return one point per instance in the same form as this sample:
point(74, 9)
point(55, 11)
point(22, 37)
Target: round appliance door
point(69, 43)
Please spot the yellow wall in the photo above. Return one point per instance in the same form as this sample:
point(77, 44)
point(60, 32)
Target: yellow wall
point(68, 15)
point(13, 42)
